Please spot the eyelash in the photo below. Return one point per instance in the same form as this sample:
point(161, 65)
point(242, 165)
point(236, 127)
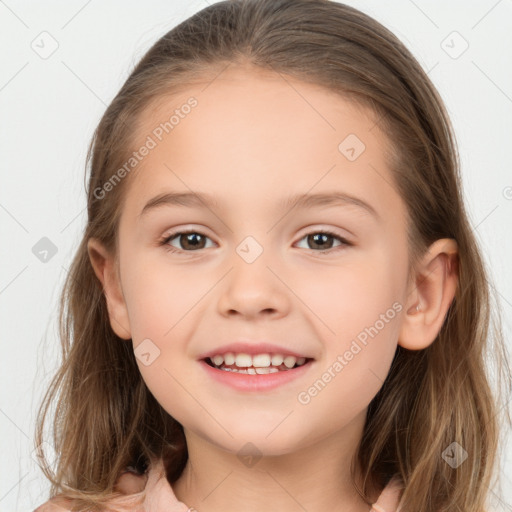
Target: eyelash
point(168, 238)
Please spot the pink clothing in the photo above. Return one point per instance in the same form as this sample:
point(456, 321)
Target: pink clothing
point(159, 496)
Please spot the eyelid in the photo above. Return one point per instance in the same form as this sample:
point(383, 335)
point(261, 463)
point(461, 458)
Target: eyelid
point(310, 230)
point(318, 228)
point(344, 242)
point(314, 228)
point(168, 236)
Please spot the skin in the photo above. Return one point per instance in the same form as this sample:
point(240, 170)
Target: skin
point(252, 141)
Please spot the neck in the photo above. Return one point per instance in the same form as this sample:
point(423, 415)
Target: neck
point(315, 477)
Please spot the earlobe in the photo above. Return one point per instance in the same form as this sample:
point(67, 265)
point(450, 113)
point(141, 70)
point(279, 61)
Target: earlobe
point(430, 295)
point(104, 266)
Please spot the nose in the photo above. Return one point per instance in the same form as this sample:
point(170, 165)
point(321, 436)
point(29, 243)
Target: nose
point(253, 289)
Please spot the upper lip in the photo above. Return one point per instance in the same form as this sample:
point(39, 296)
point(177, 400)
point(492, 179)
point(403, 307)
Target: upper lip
point(252, 348)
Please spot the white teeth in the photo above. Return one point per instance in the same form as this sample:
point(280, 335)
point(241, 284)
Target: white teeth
point(253, 371)
point(218, 360)
point(277, 360)
point(289, 361)
point(229, 358)
point(243, 360)
point(261, 360)
point(256, 364)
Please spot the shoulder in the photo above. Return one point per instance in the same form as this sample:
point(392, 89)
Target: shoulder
point(127, 483)
point(158, 493)
point(57, 504)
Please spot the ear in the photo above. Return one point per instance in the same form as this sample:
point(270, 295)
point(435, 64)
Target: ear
point(430, 294)
point(106, 270)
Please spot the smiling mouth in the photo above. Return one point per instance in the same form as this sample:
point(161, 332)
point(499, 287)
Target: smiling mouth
point(251, 368)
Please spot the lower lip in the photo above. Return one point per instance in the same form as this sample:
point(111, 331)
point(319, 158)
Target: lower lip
point(258, 382)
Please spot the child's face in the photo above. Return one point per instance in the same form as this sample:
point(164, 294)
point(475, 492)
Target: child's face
point(253, 141)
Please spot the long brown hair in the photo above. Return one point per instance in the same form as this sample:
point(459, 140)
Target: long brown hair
point(106, 418)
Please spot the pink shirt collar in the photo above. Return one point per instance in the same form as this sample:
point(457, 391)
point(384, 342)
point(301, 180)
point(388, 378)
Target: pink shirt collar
point(160, 496)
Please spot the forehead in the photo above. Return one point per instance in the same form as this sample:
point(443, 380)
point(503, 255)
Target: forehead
point(261, 134)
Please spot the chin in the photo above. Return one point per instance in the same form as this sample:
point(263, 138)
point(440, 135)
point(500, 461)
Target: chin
point(259, 440)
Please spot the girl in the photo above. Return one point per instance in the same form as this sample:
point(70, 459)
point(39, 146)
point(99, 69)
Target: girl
point(278, 302)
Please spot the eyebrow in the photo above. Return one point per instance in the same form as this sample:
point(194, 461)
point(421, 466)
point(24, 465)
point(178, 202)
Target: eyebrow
point(205, 200)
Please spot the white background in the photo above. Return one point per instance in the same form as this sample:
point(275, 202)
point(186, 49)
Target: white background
point(50, 107)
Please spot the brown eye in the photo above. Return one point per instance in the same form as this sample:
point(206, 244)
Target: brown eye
point(321, 241)
point(188, 241)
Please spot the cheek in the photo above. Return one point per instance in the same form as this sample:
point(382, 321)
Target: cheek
point(362, 316)
point(159, 296)
point(354, 294)
point(359, 305)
